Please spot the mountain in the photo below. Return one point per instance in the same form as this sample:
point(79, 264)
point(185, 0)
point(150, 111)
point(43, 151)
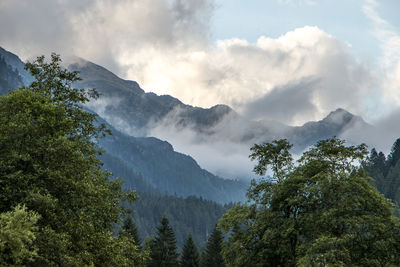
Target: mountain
point(153, 164)
point(124, 104)
point(9, 78)
point(146, 163)
point(17, 66)
point(217, 137)
point(337, 123)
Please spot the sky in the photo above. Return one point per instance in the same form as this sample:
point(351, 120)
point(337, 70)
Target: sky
point(313, 56)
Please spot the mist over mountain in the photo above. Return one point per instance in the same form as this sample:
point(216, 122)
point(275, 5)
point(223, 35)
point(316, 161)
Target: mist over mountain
point(125, 105)
point(161, 168)
point(218, 137)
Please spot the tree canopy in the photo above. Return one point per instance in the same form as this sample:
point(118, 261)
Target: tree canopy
point(321, 212)
point(49, 164)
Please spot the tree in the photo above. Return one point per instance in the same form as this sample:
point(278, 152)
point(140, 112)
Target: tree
point(17, 235)
point(213, 256)
point(394, 155)
point(376, 167)
point(276, 155)
point(130, 228)
point(163, 247)
point(190, 254)
point(48, 162)
point(322, 212)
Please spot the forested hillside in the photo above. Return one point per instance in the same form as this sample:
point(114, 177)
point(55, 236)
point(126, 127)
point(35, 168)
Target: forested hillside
point(9, 78)
point(386, 172)
point(186, 215)
point(164, 169)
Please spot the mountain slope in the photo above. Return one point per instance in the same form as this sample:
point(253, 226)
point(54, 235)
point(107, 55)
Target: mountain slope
point(17, 66)
point(337, 123)
point(166, 170)
point(125, 102)
point(218, 137)
point(126, 106)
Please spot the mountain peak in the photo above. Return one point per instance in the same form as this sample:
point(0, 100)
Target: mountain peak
point(339, 116)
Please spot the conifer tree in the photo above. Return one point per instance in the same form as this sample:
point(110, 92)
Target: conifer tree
point(163, 248)
point(394, 155)
point(190, 254)
point(202, 262)
point(130, 228)
point(213, 256)
point(377, 169)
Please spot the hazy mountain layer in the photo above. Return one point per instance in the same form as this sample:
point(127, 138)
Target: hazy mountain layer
point(218, 137)
point(147, 163)
point(125, 105)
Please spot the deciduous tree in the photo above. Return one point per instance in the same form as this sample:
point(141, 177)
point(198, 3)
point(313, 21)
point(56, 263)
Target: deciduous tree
point(48, 162)
point(322, 212)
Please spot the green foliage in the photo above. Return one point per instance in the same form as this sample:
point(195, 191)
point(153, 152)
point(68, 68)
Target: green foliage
point(323, 212)
point(17, 234)
point(190, 254)
point(276, 155)
point(48, 162)
point(202, 261)
point(386, 172)
point(129, 227)
point(163, 247)
point(213, 256)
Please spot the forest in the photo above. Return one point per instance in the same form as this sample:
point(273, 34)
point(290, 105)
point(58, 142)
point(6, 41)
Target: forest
point(335, 206)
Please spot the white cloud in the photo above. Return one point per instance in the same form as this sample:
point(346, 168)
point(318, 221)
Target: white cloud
point(389, 39)
point(237, 73)
point(165, 46)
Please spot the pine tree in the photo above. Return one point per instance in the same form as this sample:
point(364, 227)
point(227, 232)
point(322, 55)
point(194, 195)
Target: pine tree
point(163, 248)
point(213, 256)
point(377, 169)
point(190, 254)
point(394, 155)
point(130, 228)
point(393, 183)
point(202, 262)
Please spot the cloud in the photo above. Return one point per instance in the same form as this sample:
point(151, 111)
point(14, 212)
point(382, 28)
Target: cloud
point(238, 73)
point(389, 39)
point(380, 136)
point(166, 47)
point(274, 105)
point(219, 155)
point(104, 31)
